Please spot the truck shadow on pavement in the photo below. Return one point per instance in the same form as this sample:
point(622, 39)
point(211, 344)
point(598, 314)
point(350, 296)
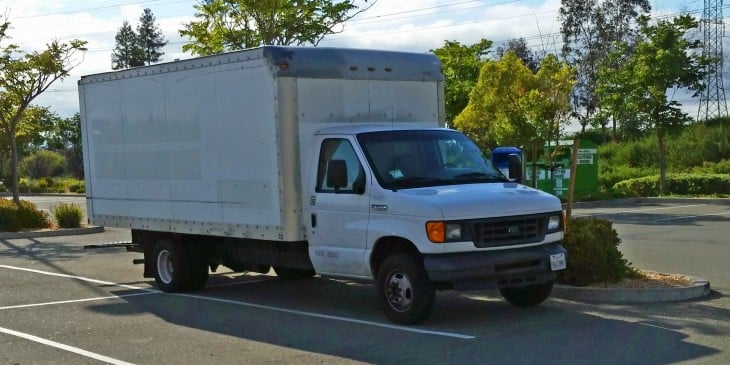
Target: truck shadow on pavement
point(45, 252)
point(265, 309)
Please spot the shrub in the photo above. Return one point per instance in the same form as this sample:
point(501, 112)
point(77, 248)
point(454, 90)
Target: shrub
point(593, 255)
point(14, 218)
point(67, 215)
point(30, 217)
point(42, 164)
point(76, 186)
point(678, 184)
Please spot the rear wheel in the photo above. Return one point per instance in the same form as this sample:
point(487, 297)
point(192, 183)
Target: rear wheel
point(528, 296)
point(406, 294)
point(286, 273)
point(172, 266)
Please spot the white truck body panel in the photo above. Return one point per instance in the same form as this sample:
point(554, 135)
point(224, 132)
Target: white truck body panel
point(213, 145)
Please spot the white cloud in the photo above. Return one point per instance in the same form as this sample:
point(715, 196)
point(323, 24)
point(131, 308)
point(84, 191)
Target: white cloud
point(414, 25)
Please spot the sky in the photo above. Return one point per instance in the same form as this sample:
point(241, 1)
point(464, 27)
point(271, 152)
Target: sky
point(406, 25)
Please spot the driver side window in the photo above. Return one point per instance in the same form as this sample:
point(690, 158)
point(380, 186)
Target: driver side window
point(334, 152)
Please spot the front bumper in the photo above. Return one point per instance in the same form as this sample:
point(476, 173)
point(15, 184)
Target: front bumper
point(517, 267)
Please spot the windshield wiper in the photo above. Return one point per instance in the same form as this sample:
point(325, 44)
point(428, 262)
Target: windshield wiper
point(480, 176)
point(415, 181)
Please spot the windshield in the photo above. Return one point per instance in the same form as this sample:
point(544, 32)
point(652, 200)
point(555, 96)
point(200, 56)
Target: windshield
point(413, 159)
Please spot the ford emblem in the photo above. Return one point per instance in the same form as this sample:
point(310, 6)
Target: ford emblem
point(513, 230)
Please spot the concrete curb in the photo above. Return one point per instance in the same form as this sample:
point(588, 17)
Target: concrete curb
point(699, 288)
point(51, 233)
point(646, 200)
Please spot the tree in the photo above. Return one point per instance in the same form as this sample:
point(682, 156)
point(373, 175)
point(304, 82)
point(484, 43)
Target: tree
point(24, 76)
point(510, 105)
point(521, 50)
point(63, 135)
point(590, 29)
point(31, 134)
point(494, 115)
point(460, 64)
point(150, 37)
point(229, 25)
point(127, 53)
point(664, 59)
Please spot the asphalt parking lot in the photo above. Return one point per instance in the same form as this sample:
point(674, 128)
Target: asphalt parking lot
point(61, 304)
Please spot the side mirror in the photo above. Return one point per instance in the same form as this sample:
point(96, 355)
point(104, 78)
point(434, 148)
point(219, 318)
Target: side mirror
point(515, 167)
point(337, 174)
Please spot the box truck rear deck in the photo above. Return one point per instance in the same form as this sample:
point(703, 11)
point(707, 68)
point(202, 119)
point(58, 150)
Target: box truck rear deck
point(311, 161)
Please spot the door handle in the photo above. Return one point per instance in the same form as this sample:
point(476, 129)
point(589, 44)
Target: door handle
point(314, 220)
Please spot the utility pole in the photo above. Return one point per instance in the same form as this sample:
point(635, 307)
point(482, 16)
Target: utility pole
point(712, 102)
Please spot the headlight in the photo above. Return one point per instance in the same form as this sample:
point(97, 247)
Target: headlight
point(440, 232)
point(453, 232)
point(554, 223)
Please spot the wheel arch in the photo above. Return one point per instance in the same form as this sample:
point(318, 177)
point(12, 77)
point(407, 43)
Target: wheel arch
point(388, 246)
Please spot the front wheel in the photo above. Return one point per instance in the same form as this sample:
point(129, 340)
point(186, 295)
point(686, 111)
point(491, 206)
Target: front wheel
point(406, 294)
point(528, 296)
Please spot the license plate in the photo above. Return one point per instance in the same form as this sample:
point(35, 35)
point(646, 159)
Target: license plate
point(557, 262)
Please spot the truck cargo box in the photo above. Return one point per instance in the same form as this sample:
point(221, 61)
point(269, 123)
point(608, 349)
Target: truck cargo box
point(212, 145)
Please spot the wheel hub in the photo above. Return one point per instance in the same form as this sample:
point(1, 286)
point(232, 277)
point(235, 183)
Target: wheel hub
point(399, 291)
point(164, 266)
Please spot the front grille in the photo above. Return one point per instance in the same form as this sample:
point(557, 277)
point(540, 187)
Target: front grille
point(509, 231)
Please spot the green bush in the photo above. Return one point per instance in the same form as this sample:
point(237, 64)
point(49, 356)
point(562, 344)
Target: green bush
point(677, 184)
point(699, 143)
point(76, 186)
point(14, 218)
point(67, 215)
point(593, 255)
point(42, 164)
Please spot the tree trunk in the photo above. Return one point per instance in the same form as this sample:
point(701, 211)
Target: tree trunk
point(662, 163)
point(14, 166)
point(534, 164)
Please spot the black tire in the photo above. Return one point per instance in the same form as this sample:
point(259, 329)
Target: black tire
point(404, 290)
point(286, 273)
point(172, 266)
point(528, 296)
point(199, 267)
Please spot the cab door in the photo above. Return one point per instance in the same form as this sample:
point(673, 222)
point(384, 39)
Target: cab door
point(339, 210)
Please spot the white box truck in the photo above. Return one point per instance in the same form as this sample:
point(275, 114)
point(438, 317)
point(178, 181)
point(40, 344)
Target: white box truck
point(310, 161)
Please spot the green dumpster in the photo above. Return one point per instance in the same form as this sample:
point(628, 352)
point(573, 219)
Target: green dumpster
point(555, 179)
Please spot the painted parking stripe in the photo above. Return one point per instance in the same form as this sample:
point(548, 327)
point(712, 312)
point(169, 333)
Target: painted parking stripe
point(80, 278)
point(265, 307)
point(77, 300)
point(335, 318)
point(61, 346)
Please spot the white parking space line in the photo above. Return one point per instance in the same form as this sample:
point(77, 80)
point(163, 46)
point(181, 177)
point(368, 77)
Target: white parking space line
point(335, 318)
point(253, 305)
point(80, 278)
point(61, 346)
point(77, 300)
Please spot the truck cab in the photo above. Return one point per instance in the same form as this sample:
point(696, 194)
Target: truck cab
point(419, 210)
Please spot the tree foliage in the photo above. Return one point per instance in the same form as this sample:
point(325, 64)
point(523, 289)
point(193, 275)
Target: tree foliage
point(634, 89)
point(127, 52)
point(229, 25)
point(511, 105)
point(590, 29)
point(460, 64)
point(522, 50)
point(150, 38)
point(24, 76)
